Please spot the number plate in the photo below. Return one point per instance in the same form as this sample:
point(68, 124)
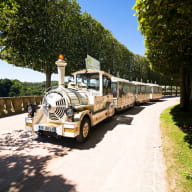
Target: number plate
point(45, 128)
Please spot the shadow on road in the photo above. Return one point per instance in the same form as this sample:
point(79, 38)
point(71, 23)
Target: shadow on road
point(21, 173)
point(23, 164)
point(96, 135)
point(21, 140)
point(98, 132)
point(135, 110)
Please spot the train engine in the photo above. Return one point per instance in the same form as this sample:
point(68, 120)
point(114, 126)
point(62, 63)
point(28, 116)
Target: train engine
point(72, 111)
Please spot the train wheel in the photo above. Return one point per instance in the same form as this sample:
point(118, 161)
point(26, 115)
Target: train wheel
point(84, 130)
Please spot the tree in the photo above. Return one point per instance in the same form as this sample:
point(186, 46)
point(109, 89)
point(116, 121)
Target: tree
point(36, 31)
point(5, 85)
point(167, 27)
point(15, 88)
point(93, 40)
point(33, 33)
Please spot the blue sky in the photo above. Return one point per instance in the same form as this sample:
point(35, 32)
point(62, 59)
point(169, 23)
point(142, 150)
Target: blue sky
point(116, 16)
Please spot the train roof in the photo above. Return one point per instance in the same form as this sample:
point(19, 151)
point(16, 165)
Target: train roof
point(148, 84)
point(113, 78)
point(117, 79)
point(92, 71)
point(154, 85)
point(138, 83)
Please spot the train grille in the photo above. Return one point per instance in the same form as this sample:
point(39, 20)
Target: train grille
point(54, 105)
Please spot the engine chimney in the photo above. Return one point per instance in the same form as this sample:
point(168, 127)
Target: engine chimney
point(61, 64)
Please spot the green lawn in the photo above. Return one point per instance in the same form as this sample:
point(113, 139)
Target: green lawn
point(176, 128)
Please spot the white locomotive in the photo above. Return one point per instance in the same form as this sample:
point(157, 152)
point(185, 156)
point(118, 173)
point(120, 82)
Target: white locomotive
point(93, 96)
point(72, 111)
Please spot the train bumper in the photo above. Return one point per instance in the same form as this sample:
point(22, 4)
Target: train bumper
point(67, 129)
point(29, 124)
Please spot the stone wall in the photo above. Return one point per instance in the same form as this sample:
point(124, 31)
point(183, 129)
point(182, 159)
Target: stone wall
point(16, 105)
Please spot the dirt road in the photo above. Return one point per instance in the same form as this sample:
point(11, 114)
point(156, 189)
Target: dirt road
point(122, 155)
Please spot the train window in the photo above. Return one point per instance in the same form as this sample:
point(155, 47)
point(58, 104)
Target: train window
point(132, 89)
point(139, 89)
point(148, 89)
point(106, 85)
point(90, 80)
point(114, 89)
point(151, 89)
point(136, 89)
point(126, 88)
point(143, 89)
point(154, 89)
point(121, 89)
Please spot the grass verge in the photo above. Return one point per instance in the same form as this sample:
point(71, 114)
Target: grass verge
point(176, 129)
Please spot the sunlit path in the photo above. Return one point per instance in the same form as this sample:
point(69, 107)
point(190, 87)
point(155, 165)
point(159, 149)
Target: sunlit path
point(123, 154)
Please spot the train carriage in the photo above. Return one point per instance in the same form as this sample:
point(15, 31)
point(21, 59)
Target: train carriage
point(156, 92)
point(123, 93)
point(142, 92)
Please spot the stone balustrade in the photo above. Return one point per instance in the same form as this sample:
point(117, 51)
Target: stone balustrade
point(16, 105)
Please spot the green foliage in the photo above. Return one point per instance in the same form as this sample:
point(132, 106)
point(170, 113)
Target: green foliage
point(167, 27)
point(176, 128)
point(33, 33)
point(5, 85)
point(37, 31)
point(13, 88)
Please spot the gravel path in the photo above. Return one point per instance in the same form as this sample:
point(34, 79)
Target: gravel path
point(123, 154)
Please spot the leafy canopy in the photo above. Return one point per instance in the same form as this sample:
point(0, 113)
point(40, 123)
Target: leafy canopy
point(167, 27)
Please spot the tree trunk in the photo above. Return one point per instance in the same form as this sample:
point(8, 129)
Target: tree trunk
point(48, 79)
point(191, 89)
point(176, 91)
point(165, 90)
point(185, 89)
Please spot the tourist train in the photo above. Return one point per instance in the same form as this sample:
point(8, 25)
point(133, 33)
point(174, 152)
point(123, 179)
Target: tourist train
point(90, 98)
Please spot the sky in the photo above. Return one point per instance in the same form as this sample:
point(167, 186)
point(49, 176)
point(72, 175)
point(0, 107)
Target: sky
point(116, 16)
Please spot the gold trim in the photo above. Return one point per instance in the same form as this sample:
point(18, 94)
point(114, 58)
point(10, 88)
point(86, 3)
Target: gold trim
point(28, 124)
point(70, 130)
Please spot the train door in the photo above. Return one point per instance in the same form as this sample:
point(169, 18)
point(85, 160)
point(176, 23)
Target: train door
point(106, 85)
point(107, 94)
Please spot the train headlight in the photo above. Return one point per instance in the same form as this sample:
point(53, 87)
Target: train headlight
point(70, 112)
point(31, 109)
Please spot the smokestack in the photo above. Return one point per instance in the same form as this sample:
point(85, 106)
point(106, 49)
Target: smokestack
point(61, 64)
